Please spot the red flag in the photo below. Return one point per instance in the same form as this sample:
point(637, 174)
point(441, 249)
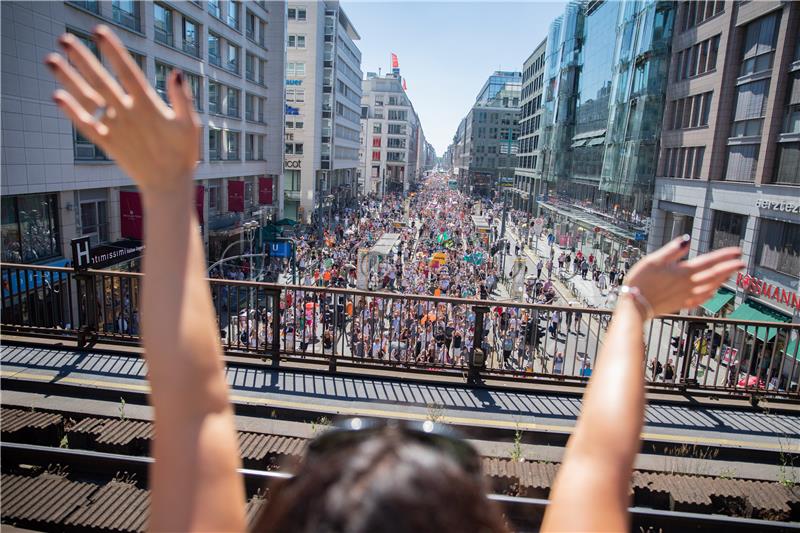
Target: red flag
point(199, 200)
point(405, 88)
point(235, 196)
point(265, 190)
point(395, 64)
point(130, 212)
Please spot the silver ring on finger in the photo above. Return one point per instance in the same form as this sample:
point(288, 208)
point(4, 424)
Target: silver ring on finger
point(99, 113)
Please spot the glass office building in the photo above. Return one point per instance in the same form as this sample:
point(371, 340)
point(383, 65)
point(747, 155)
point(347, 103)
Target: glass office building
point(606, 72)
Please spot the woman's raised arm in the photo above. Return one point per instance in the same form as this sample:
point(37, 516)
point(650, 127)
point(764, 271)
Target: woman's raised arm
point(194, 482)
point(591, 491)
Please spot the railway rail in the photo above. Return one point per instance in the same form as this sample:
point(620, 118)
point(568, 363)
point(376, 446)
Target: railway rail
point(115, 450)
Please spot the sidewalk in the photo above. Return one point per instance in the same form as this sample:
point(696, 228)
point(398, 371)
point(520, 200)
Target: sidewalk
point(587, 291)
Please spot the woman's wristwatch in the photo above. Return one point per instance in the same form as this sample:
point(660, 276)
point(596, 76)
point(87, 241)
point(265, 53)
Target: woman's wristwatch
point(639, 298)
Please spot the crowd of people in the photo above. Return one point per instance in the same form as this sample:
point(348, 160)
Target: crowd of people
point(438, 252)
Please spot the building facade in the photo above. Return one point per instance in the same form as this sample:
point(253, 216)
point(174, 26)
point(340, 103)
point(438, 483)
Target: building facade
point(323, 100)
point(729, 165)
point(528, 174)
point(394, 152)
point(488, 151)
point(604, 97)
point(57, 186)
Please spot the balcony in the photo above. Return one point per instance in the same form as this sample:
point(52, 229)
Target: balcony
point(192, 48)
point(163, 37)
point(124, 18)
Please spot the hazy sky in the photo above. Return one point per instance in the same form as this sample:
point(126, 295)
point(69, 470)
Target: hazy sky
point(448, 49)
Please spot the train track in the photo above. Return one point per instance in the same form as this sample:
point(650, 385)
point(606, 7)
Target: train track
point(57, 489)
point(113, 454)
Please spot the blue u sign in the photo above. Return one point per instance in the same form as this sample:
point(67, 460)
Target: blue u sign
point(279, 249)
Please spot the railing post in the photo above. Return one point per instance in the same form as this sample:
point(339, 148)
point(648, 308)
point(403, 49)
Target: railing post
point(276, 328)
point(87, 313)
point(687, 351)
point(477, 357)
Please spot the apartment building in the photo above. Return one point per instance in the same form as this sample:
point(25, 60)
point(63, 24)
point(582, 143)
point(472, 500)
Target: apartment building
point(394, 146)
point(57, 186)
point(729, 164)
point(488, 142)
point(322, 114)
point(530, 161)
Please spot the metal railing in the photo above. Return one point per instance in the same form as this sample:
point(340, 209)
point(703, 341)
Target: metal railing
point(478, 339)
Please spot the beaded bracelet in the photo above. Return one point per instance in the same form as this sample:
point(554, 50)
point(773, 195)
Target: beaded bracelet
point(640, 299)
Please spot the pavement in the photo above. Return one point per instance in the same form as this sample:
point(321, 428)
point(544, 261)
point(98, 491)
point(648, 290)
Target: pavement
point(332, 395)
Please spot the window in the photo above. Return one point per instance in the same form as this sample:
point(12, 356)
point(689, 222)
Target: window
point(697, 59)
point(742, 162)
point(249, 107)
point(162, 24)
point(376, 142)
point(214, 8)
point(30, 231)
point(791, 123)
point(214, 144)
point(759, 45)
point(250, 25)
point(233, 58)
point(262, 33)
point(751, 105)
point(695, 13)
point(191, 37)
point(88, 5)
point(232, 145)
point(295, 68)
point(788, 163)
point(296, 41)
point(376, 155)
point(690, 112)
point(250, 147)
point(213, 197)
point(126, 13)
point(214, 56)
point(295, 94)
point(376, 127)
point(94, 221)
point(289, 149)
point(728, 229)
point(195, 83)
point(214, 91)
point(298, 148)
point(233, 14)
point(162, 72)
point(232, 101)
point(298, 14)
point(779, 246)
point(250, 67)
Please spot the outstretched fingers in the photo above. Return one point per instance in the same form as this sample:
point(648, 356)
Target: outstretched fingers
point(706, 261)
point(179, 96)
point(92, 70)
point(130, 75)
point(81, 118)
point(74, 83)
point(672, 251)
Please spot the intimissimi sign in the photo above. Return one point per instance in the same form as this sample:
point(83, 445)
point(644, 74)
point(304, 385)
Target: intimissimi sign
point(759, 287)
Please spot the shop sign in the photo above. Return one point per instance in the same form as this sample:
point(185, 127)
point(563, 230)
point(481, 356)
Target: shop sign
point(786, 207)
point(294, 82)
point(84, 256)
point(759, 287)
point(293, 163)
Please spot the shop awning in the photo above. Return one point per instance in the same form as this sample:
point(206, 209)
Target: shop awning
point(718, 301)
point(753, 311)
point(596, 141)
point(792, 350)
point(579, 142)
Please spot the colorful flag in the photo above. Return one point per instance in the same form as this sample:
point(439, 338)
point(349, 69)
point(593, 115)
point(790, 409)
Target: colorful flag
point(405, 88)
point(395, 63)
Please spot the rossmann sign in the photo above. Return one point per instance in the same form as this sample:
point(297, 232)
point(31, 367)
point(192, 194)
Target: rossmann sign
point(759, 287)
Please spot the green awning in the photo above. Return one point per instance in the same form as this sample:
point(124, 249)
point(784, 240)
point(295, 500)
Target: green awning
point(760, 313)
point(791, 350)
point(718, 301)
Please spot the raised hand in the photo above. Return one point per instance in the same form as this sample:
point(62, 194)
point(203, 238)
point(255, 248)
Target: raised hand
point(670, 284)
point(157, 146)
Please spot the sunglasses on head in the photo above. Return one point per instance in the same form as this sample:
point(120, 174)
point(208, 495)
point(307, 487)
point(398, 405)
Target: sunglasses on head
point(352, 432)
